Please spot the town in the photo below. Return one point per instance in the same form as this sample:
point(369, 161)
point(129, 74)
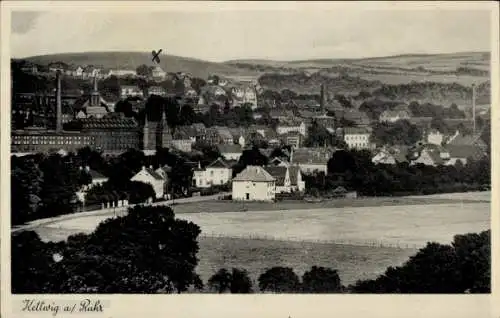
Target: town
point(232, 135)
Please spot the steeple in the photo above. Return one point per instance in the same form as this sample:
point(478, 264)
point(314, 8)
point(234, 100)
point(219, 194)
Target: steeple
point(95, 98)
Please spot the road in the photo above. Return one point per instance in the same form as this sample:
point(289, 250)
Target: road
point(110, 212)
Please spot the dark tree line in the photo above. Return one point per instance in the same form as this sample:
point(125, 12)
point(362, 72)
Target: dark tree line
point(355, 170)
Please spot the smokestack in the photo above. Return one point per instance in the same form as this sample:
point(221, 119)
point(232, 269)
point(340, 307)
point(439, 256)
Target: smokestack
point(322, 102)
point(58, 103)
point(474, 108)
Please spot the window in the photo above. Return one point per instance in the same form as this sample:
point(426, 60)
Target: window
point(247, 196)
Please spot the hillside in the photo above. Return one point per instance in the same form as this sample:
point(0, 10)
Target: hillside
point(169, 63)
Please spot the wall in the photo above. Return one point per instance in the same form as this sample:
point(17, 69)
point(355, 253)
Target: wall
point(258, 191)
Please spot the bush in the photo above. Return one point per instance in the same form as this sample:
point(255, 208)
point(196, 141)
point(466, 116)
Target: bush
point(321, 280)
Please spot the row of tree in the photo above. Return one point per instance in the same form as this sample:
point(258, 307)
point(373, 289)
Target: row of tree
point(150, 251)
point(356, 171)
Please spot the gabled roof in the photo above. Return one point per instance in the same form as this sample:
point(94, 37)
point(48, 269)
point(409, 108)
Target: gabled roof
point(152, 173)
point(311, 156)
point(278, 173)
point(254, 174)
point(467, 140)
point(223, 148)
point(219, 163)
point(465, 151)
point(96, 175)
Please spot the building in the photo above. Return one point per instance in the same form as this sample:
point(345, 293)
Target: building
point(217, 135)
point(296, 182)
point(92, 105)
point(182, 141)
point(435, 137)
point(254, 183)
point(158, 73)
point(359, 118)
point(357, 137)
point(281, 114)
point(311, 160)
point(459, 139)
point(122, 73)
point(243, 95)
point(130, 91)
point(230, 151)
point(157, 90)
point(282, 176)
point(392, 116)
point(156, 134)
point(48, 141)
point(97, 178)
point(217, 173)
point(294, 139)
point(150, 176)
point(464, 153)
point(112, 135)
point(292, 126)
point(390, 156)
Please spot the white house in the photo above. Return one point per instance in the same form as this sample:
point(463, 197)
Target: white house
point(357, 137)
point(392, 116)
point(158, 73)
point(230, 152)
point(390, 156)
point(122, 73)
point(218, 172)
point(285, 128)
point(254, 183)
point(148, 175)
point(435, 137)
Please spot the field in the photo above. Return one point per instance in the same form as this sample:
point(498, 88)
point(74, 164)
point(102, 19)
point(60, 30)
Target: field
point(360, 238)
point(352, 262)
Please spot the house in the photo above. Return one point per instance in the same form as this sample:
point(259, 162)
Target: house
point(464, 153)
point(130, 91)
point(164, 172)
point(238, 136)
point(243, 94)
point(459, 139)
point(359, 118)
point(390, 156)
point(254, 183)
point(292, 126)
point(357, 137)
point(219, 135)
point(428, 157)
point(182, 141)
point(392, 116)
point(311, 160)
point(158, 73)
point(294, 139)
point(230, 152)
point(435, 137)
point(282, 176)
point(218, 172)
point(122, 73)
point(150, 176)
point(157, 90)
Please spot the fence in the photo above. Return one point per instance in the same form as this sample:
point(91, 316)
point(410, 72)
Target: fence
point(364, 243)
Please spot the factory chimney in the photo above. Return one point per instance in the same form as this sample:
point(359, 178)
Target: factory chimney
point(474, 108)
point(322, 101)
point(58, 103)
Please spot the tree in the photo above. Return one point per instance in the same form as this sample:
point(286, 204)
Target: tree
point(220, 281)
point(143, 70)
point(146, 251)
point(26, 185)
point(240, 282)
point(279, 280)
point(187, 115)
point(461, 267)
point(125, 107)
point(321, 280)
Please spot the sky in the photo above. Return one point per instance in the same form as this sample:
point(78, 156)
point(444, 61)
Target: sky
point(282, 34)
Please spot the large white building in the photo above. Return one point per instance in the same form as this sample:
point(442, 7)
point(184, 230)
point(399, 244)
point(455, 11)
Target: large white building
point(254, 183)
point(285, 128)
point(218, 172)
point(357, 137)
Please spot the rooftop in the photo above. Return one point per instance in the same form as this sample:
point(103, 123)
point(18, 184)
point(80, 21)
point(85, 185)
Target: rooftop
point(255, 174)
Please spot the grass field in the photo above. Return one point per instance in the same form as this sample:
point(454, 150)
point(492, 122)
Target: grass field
point(352, 262)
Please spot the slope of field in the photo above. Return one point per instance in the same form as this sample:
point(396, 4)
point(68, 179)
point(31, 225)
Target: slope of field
point(131, 60)
point(256, 256)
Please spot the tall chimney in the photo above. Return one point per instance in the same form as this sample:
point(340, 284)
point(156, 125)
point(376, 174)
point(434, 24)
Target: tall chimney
point(474, 108)
point(322, 102)
point(58, 103)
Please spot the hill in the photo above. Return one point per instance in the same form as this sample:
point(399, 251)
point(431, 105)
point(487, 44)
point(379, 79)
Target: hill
point(131, 60)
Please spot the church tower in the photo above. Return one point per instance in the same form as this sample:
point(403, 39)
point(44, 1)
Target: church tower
point(165, 140)
point(145, 134)
point(95, 97)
